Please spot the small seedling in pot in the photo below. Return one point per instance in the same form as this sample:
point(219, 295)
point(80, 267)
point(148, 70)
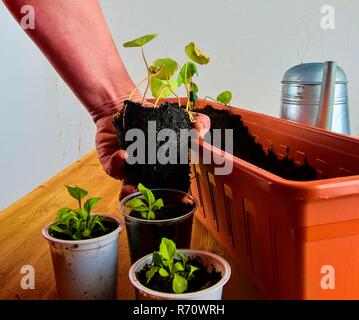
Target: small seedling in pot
point(78, 224)
point(146, 207)
point(169, 263)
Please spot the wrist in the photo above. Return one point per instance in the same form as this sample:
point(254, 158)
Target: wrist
point(109, 109)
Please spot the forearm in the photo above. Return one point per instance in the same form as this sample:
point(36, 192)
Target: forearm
point(75, 38)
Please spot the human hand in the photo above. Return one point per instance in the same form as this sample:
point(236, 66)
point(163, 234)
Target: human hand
point(202, 125)
point(113, 159)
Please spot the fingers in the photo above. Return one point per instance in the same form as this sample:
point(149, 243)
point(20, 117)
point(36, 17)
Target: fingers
point(116, 164)
point(202, 124)
point(127, 189)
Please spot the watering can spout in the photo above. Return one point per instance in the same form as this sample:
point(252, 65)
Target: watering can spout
point(326, 103)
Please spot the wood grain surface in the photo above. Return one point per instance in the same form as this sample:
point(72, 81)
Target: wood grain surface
point(21, 242)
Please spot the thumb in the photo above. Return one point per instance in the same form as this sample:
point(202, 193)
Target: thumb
point(127, 189)
point(114, 167)
point(202, 124)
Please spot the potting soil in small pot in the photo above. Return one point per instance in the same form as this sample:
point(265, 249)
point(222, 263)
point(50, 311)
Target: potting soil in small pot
point(204, 278)
point(179, 274)
point(155, 175)
point(173, 221)
point(246, 148)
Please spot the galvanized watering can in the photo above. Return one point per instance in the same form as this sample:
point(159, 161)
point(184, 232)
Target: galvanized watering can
point(317, 94)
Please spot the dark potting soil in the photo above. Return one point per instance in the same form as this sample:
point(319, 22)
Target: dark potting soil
point(156, 175)
point(169, 211)
point(246, 148)
point(202, 278)
point(145, 236)
point(109, 225)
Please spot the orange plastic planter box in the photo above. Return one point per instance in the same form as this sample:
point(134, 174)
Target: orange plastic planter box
point(288, 237)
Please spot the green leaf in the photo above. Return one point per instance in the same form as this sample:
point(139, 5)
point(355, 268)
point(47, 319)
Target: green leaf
point(179, 284)
point(188, 70)
point(81, 213)
point(194, 87)
point(150, 273)
point(157, 260)
point(79, 224)
point(86, 233)
point(140, 42)
point(167, 249)
point(183, 258)
point(56, 228)
point(97, 223)
point(193, 97)
point(162, 87)
point(136, 203)
point(151, 215)
point(192, 269)
point(90, 203)
point(163, 272)
point(76, 192)
point(62, 213)
point(157, 205)
point(166, 66)
point(147, 193)
point(195, 54)
point(142, 209)
point(77, 236)
point(178, 267)
point(225, 97)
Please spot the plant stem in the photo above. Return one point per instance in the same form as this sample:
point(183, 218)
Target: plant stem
point(159, 96)
point(148, 73)
point(87, 220)
point(208, 97)
point(178, 98)
point(185, 85)
point(137, 86)
point(80, 204)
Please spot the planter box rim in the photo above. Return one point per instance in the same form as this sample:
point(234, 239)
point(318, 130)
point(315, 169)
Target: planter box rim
point(319, 189)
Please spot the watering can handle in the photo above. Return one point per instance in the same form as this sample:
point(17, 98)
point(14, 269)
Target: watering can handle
point(325, 110)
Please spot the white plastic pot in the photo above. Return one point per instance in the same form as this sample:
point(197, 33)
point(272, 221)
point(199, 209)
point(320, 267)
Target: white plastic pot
point(86, 269)
point(212, 293)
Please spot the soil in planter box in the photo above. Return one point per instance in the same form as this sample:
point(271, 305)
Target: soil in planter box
point(156, 175)
point(202, 279)
point(109, 224)
point(246, 148)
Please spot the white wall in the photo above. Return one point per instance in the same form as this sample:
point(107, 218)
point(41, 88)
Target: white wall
point(251, 42)
point(43, 127)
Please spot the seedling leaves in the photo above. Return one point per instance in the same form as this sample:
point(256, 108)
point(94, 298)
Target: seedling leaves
point(195, 54)
point(140, 42)
point(179, 284)
point(167, 249)
point(163, 88)
point(166, 66)
point(225, 97)
point(76, 192)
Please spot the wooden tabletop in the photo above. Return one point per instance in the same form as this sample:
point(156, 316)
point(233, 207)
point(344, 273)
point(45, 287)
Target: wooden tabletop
point(21, 242)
